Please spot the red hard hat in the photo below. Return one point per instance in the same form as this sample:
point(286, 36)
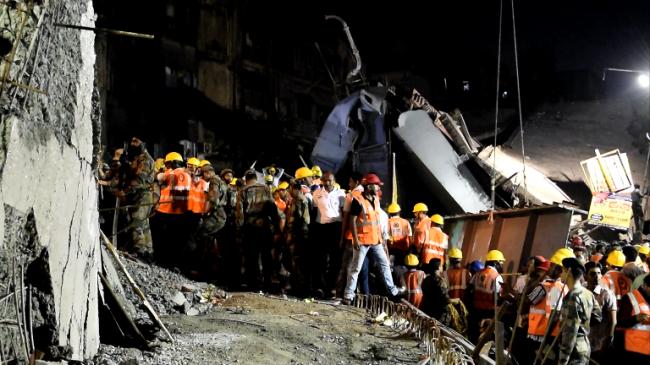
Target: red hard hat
point(371, 179)
point(542, 263)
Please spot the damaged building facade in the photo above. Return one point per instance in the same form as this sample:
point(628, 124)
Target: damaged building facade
point(215, 71)
point(49, 254)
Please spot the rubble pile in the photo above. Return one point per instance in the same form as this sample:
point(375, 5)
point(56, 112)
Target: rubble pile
point(168, 291)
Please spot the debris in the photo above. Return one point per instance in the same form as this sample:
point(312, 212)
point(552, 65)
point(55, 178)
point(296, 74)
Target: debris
point(179, 299)
point(185, 288)
point(314, 313)
point(193, 312)
point(381, 317)
point(135, 287)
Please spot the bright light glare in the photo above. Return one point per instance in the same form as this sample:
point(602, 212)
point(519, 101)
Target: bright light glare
point(644, 81)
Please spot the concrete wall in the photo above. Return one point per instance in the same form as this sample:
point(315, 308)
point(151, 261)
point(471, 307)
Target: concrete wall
point(47, 178)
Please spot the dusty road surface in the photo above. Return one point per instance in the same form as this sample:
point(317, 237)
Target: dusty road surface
point(251, 328)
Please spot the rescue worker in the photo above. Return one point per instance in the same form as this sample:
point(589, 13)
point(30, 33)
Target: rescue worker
point(601, 336)
point(457, 275)
point(476, 266)
point(268, 181)
point(634, 317)
point(577, 310)
point(174, 191)
point(421, 228)
point(643, 256)
point(435, 297)
point(545, 302)
point(257, 215)
point(230, 248)
point(296, 236)
point(317, 174)
point(275, 172)
point(282, 201)
point(400, 232)
point(366, 237)
point(614, 279)
point(213, 220)
point(438, 241)
point(354, 184)
point(139, 192)
point(485, 285)
point(412, 280)
point(304, 177)
point(326, 235)
point(196, 207)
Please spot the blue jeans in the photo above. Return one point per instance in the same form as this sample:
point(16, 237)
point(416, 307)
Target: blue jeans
point(378, 255)
point(362, 279)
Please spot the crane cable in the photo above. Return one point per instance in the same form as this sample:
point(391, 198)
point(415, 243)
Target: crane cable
point(521, 122)
point(496, 118)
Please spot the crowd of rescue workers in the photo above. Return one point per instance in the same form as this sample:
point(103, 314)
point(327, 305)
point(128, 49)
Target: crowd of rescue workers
point(306, 236)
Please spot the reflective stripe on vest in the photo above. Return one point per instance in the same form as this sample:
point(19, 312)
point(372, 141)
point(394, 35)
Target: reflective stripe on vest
point(348, 198)
point(414, 286)
point(399, 232)
point(484, 286)
point(436, 245)
point(637, 338)
point(540, 313)
point(165, 200)
point(368, 228)
point(617, 282)
point(197, 197)
point(457, 282)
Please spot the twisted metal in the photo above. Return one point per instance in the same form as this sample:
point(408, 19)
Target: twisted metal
point(441, 347)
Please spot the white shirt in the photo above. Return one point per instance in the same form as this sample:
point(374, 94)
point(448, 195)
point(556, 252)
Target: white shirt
point(328, 205)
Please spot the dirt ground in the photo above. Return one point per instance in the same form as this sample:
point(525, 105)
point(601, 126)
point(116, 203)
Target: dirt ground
point(252, 328)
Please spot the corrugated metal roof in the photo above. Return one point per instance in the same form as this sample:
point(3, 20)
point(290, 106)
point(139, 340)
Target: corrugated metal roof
point(521, 211)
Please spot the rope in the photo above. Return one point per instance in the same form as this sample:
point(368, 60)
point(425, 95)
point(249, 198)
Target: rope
point(521, 122)
point(496, 116)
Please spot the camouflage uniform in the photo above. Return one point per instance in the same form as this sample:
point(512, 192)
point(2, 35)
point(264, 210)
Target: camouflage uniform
point(256, 215)
point(577, 310)
point(139, 191)
point(297, 230)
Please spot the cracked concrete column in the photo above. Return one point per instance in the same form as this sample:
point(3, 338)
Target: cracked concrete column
point(47, 178)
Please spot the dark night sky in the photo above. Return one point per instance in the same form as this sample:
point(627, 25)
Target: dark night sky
point(458, 39)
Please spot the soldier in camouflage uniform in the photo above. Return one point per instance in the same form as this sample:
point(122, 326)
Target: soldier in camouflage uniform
point(229, 246)
point(297, 234)
point(578, 308)
point(256, 216)
point(138, 191)
point(213, 220)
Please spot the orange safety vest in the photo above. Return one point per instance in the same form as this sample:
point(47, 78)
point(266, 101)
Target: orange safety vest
point(484, 284)
point(458, 280)
point(617, 282)
point(348, 199)
point(179, 181)
point(197, 197)
point(368, 228)
point(637, 338)
point(540, 313)
point(400, 230)
point(165, 200)
point(436, 245)
point(282, 206)
point(421, 233)
point(413, 280)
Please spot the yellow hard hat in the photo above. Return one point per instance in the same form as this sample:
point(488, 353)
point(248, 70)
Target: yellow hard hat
point(644, 250)
point(283, 185)
point(193, 161)
point(437, 219)
point(303, 172)
point(159, 164)
point(268, 178)
point(494, 255)
point(456, 253)
point(204, 162)
point(394, 208)
point(316, 171)
point(411, 260)
point(420, 207)
point(560, 255)
point(616, 258)
point(233, 181)
point(173, 156)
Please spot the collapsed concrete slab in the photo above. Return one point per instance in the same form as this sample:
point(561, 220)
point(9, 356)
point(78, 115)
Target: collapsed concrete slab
point(48, 193)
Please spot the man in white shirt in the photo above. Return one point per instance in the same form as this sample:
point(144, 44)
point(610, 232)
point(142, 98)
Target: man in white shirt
point(326, 235)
